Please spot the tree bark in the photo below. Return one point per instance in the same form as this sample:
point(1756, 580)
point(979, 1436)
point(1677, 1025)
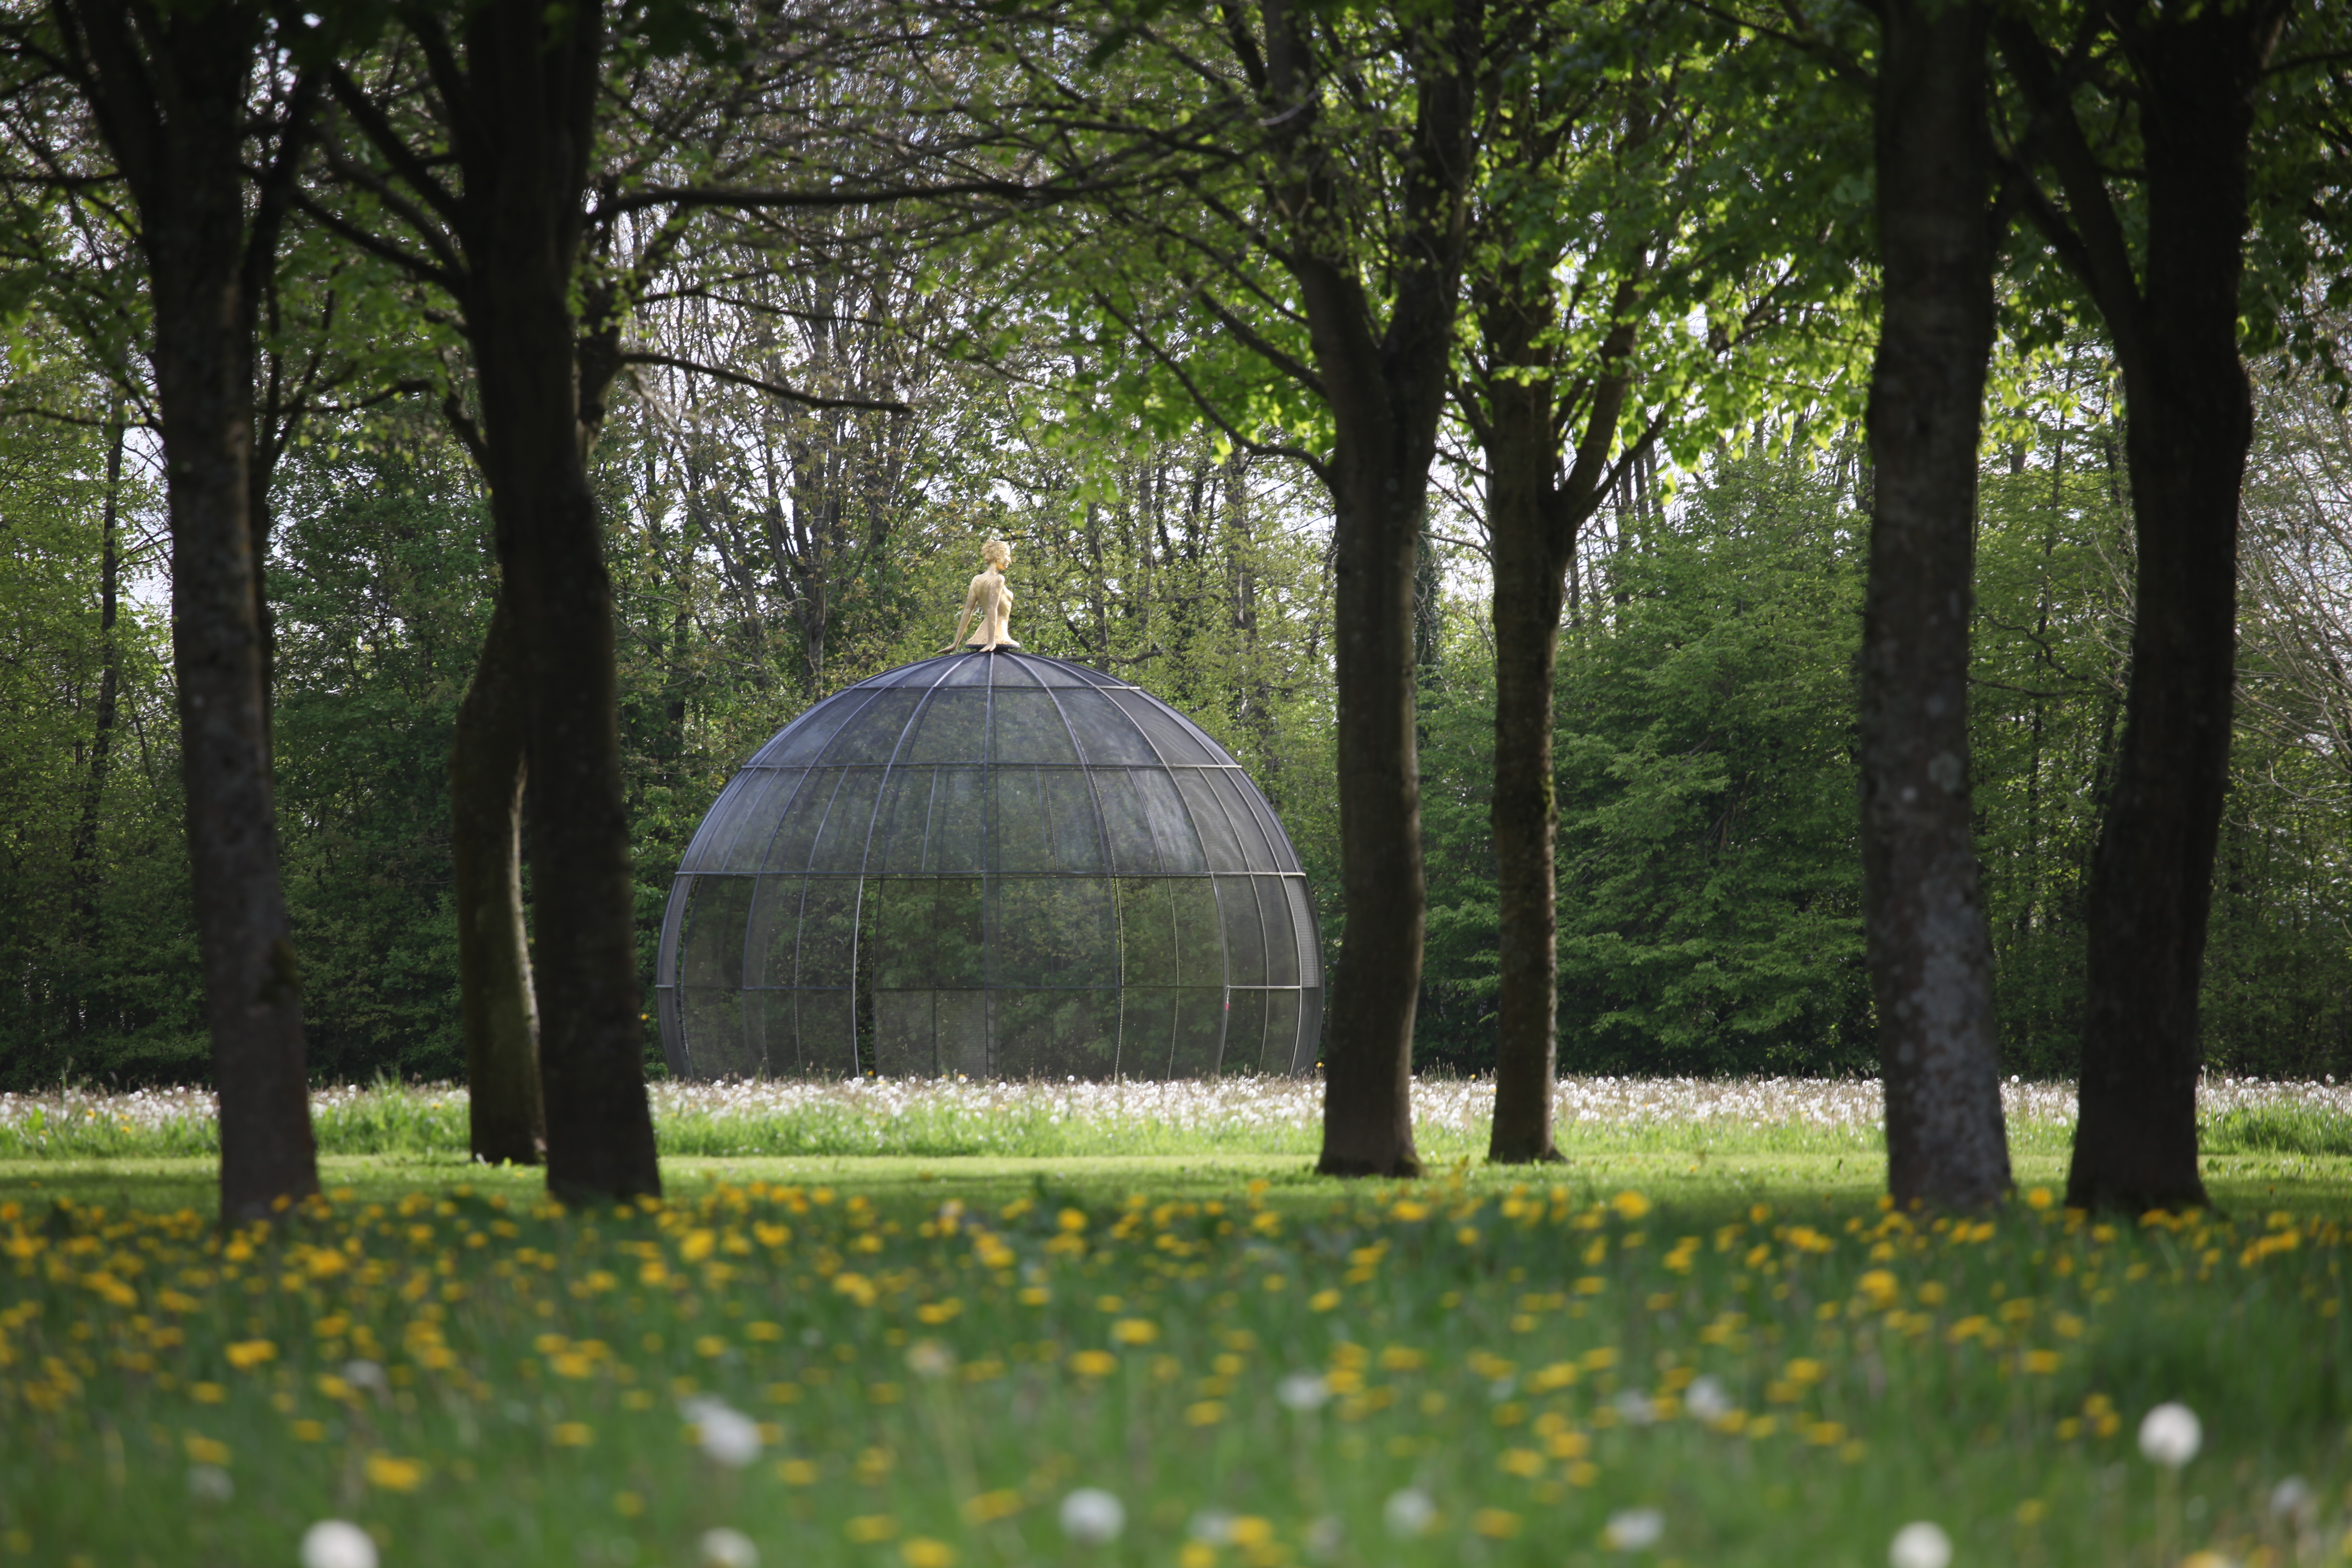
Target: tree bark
point(531, 81)
point(170, 95)
point(1522, 456)
point(1930, 951)
point(2191, 424)
point(506, 1121)
point(2172, 315)
point(1377, 498)
point(1386, 387)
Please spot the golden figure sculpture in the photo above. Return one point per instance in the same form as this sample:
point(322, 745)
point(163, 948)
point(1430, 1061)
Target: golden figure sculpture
point(991, 601)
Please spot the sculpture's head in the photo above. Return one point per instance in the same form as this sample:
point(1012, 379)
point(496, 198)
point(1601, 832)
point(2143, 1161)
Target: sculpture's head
point(997, 554)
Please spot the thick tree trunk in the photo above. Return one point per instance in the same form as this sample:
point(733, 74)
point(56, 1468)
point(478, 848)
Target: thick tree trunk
point(1930, 952)
point(173, 110)
point(2191, 423)
point(1387, 390)
point(1368, 1093)
point(534, 79)
point(1522, 456)
point(502, 1016)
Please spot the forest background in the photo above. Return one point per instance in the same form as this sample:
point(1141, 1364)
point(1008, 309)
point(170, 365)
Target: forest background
point(767, 553)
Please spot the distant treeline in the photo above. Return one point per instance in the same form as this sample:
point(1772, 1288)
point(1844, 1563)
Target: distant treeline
point(1709, 873)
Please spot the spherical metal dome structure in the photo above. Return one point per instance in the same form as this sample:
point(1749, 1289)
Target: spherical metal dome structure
point(993, 864)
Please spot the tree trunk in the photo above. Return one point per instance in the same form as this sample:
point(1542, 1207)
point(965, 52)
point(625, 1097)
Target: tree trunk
point(1522, 455)
point(2191, 423)
point(1533, 520)
point(172, 111)
point(534, 77)
point(1930, 952)
point(109, 686)
point(1368, 1093)
point(501, 1017)
point(1386, 386)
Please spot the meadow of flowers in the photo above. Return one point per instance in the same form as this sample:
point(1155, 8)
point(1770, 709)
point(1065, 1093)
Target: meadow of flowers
point(1448, 1372)
point(949, 1117)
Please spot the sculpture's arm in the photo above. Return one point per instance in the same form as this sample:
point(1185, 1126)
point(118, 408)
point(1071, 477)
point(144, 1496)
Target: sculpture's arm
point(963, 622)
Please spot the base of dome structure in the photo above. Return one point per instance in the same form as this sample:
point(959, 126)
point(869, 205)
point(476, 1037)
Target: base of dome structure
point(995, 864)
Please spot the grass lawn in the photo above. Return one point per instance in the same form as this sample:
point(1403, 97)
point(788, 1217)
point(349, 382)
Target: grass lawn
point(1699, 1341)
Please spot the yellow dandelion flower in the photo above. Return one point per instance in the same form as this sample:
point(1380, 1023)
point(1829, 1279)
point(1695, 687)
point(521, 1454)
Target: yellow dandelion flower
point(394, 1475)
point(1135, 1331)
point(922, 1551)
point(990, 1506)
point(869, 1528)
point(573, 1435)
point(206, 1450)
point(1094, 1363)
point(207, 1392)
point(1204, 1413)
point(1496, 1523)
point(1880, 1287)
point(796, 1473)
point(246, 1355)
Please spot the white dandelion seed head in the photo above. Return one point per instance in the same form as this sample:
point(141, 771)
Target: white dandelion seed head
point(1410, 1511)
point(365, 1374)
point(1707, 1399)
point(1324, 1539)
point(1093, 1517)
point(725, 1548)
point(1634, 1529)
point(1302, 1391)
point(1635, 1408)
point(1213, 1525)
point(2294, 1499)
point(929, 1358)
point(1920, 1544)
point(726, 1435)
point(337, 1544)
point(210, 1483)
point(2170, 1434)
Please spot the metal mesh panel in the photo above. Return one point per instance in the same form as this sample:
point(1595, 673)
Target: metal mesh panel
point(990, 863)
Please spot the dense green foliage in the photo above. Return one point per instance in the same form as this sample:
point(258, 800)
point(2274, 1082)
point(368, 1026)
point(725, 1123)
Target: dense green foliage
point(1710, 882)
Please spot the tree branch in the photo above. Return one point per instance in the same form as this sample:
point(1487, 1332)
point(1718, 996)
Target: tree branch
point(773, 389)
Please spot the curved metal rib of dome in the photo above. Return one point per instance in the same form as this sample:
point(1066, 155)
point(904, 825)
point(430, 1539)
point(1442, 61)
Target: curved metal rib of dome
point(995, 864)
